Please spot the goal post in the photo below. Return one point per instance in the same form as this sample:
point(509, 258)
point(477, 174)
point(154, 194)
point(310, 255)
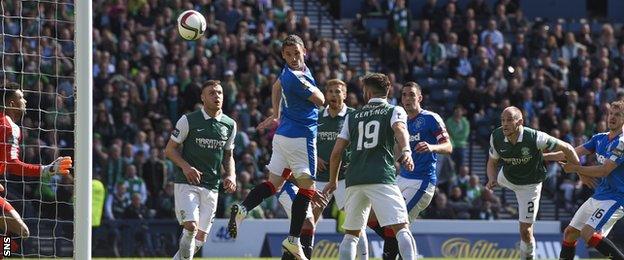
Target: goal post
point(84, 129)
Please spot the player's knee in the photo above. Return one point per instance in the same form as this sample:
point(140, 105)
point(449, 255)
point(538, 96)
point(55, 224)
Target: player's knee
point(305, 182)
point(190, 226)
point(587, 232)
point(571, 234)
point(396, 227)
point(355, 233)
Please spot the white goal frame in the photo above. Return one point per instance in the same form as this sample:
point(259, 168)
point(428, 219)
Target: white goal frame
point(84, 128)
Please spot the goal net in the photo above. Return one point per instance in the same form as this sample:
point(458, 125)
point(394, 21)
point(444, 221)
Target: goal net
point(38, 54)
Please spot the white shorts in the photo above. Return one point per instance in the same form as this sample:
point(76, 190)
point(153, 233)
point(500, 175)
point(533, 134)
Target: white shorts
point(599, 214)
point(528, 197)
point(339, 193)
point(296, 154)
point(194, 203)
point(385, 199)
point(287, 195)
point(417, 195)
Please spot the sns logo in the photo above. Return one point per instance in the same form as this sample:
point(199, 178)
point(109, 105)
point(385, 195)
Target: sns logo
point(6, 246)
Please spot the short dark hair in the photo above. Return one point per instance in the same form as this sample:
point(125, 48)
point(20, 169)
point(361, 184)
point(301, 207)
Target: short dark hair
point(377, 83)
point(210, 83)
point(292, 40)
point(8, 91)
point(412, 84)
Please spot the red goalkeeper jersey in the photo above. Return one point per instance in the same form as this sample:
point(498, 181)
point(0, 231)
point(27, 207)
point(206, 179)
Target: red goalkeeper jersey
point(10, 137)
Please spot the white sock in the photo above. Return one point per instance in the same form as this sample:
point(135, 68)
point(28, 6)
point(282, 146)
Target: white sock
point(198, 245)
point(362, 246)
point(187, 245)
point(348, 247)
point(406, 244)
point(527, 249)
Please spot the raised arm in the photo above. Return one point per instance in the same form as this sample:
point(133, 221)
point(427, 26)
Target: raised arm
point(317, 97)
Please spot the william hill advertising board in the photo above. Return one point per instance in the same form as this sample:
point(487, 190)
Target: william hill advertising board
point(438, 245)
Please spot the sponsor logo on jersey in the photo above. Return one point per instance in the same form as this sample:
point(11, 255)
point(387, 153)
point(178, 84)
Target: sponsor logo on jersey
point(414, 138)
point(327, 136)
point(208, 143)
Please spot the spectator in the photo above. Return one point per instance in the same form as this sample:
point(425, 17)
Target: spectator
point(434, 52)
point(114, 167)
point(440, 208)
point(492, 31)
point(401, 18)
point(155, 173)
point(135, 184)
point(570, 49)
point(459, 203)
point(474, 189)
point(138, 210)
point(165, 205)
point(459, 131)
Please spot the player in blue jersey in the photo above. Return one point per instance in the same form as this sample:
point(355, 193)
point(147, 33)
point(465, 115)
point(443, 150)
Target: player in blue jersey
point(295, 99)
point(428, 137)
point(595, 218)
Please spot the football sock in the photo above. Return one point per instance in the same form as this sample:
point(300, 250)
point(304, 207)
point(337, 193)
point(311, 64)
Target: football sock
point(605, 246)
point(526, 250)
point(406, 244)
point(391, 245)
point(307, 242)
point(299, 210)
point(568, 250)
point(362, 246)
point(348, 247)
point(258, 194)
point(187, 245)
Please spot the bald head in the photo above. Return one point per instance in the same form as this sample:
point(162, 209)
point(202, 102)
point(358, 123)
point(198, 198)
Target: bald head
point(512, 111)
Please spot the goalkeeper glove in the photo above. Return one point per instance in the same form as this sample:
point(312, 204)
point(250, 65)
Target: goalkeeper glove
point(60, 165)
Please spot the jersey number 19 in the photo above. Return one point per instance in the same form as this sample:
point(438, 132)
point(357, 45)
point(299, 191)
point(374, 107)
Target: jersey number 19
point(368, 135)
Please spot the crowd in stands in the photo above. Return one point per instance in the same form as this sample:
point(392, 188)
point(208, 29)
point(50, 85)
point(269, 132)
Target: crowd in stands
point(562, 74)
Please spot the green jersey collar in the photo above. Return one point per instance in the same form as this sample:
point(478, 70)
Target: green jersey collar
point(520, 135)
point(206, 116)
point(378, 100)
point(342, 112)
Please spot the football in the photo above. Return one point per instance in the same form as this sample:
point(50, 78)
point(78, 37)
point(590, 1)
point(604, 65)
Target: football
point(191, 25)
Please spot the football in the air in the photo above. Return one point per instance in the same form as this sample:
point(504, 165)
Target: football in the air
point(191, 25)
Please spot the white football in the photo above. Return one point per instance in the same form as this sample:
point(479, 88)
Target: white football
point(191, 25)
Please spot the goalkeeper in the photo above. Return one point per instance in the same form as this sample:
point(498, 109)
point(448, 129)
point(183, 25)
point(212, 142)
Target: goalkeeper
point(13, 108)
